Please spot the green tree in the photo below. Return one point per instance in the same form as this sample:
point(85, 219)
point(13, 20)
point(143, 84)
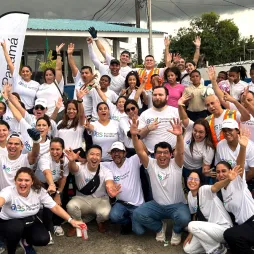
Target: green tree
point(220, 39)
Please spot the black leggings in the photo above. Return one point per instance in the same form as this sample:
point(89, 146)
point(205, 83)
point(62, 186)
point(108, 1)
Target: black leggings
point(240, 238)
point(15, 229)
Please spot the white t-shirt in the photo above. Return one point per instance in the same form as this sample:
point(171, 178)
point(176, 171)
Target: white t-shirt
point(250, 126)
point(51, 94)
point(9, 168)
point(26, 90)
point(11, 120)
point(46, 162)
point(238, 200)
point(224, 153)
point(237, 89)
point(131, 97)
point(186, 81)
point(105, 136)
point(72, 137)
point(124, 126)
point(166, 183)
point(84, 175)
point(218, 123)
point(87, 100)
point(3, 151)
point(96, 99)
point(129, 178)
point(115, 114)
point(160, 134)
point(201, 154)
point(16, 206)
point(31, 119)
point(150, 98)
point(210, 205)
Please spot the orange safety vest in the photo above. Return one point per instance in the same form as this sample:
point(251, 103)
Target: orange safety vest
point(142, 72)
point(210, 119)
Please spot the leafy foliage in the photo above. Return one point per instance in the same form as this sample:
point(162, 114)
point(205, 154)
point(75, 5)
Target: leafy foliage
point(50, 63)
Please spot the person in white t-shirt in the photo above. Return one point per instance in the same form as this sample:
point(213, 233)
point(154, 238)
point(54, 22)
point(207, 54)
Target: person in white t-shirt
point(125, 55)
point(53, 87)
point(23, 85)
point(117, 80)
point(166, 182)
point(162, 114)
point(211, 218)
point(238, 200)
point(95, 200)
point(18, 218)
point(4, 133)
point(126, 172)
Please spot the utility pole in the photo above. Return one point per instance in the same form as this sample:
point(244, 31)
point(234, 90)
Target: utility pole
point(139, 48)
point(149, 26)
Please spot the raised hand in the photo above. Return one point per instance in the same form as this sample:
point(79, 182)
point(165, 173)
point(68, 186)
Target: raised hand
point(234, 172)
point(6, 90)
point(228, 97)
point(184, 99)
point(34, 134)
point(71, 48)
point(197, 41)
point(211, 72)
point(167, 41)
point(71, 156)
point(177, 127)
point(134, 125)
point(3, 44)
point(177, 57)
point(93, 32)
point(59, 103)
point(114, 190)
point(58, 48)
point(154, 125)
point(88, 125)
point(81, 92)
point(144, 80)
point(89, 40)
point(243, 137)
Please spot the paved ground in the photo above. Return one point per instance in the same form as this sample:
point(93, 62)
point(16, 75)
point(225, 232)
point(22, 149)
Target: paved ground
point(109, 243)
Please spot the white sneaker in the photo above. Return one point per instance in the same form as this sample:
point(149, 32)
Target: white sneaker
point(161, 236)
point(58, 231)
point(51, 241)
point(176, 238)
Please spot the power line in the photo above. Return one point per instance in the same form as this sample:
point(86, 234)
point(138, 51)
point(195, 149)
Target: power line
point(101, 9)
point(165, 11)
point(238, 5)
point(128, 12)
point(111, 11)
point(117, 10)
point(180, 9)
point(106, 10)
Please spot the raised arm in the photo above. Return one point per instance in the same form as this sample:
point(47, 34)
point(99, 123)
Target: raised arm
point(71, 61)
point(7, 57)
point(71, 156)
point(59, 73)
point(141, 88)
point(197, 43)
point(80, 94)
point(137, 143)
point(58, 105)
point(92, 55)
point(179, 148)
point(182, 113)
point(36, 138)
point(100, 93)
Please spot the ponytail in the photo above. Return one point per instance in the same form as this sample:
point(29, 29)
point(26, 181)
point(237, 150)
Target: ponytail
point(241, 70)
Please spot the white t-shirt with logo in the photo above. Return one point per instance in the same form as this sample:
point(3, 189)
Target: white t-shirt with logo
point(129, 178)
point(105, 136)
point(115, 114)
point(26, 90)
point(210, 205)
point(201, 154)
point(9, 168)
point(87, 100)
point(72, 137)
point(224, 153)
point(166, 183)
point(160, 134)
point(11, 120)
point(238, 200)
point(17, 206)
point(46, 162)
point(51, 94)
point(84, 175)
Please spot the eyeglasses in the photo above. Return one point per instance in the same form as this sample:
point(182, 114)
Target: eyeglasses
point(227, 130)
point(130, 109)
point(193, 179)
point(39, 107)
point(162, 152)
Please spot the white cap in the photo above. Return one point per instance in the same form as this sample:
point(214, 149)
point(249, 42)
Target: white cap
point(16, 135)
point(42, 102)
point(230, 124)
point(117, 145)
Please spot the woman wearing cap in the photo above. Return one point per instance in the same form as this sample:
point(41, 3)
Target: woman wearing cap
point(18, 217)
point(238, 200)
point(53, 87)
point(23, 85)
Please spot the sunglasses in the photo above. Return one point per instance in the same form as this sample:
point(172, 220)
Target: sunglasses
point(39, 107)
point(130, 109)
point(192, 178)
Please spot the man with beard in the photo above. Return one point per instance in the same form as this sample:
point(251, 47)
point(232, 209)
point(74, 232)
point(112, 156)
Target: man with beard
point(162, 114)
point(126, 172)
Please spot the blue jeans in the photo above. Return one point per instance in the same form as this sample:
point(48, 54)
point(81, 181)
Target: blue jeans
point(121, 214)
point(150, 215)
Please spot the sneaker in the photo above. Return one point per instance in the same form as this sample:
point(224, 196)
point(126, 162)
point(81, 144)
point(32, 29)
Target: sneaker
point(161, 236)
point(27, 248)
point(51, 241)
point(176, 238)
point(2, 249)
point(58, 231)
point(221, 250)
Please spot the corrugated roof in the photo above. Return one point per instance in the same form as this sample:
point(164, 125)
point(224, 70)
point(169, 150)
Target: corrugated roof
point(80, 25)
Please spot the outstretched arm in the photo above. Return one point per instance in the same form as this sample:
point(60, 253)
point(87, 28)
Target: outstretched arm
point(71, 61)
point(59, 74)
point(80, 95)
point(92, 55)
point(182, 113)
point(7, 57)
point(197, 43)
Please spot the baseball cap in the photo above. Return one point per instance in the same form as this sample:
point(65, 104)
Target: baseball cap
point(117, 145)
point(114, 61)
point(42, 102)
point(15, 135)
point(230, 124)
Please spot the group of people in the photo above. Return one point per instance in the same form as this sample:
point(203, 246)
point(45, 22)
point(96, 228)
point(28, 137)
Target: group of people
point(138, 147)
